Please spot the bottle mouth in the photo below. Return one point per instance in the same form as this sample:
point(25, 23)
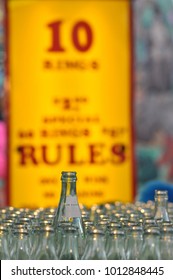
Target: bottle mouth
point(152, 230)
point(95, 230)
point(161, 194)
point(69, 176)
point(117, 232)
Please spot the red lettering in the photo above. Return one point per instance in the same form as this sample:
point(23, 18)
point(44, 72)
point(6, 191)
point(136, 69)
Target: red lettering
point(45, 155)
point(72, 155)
point(95, 151)
point(94, 154)
point(56, 45)
point(27, 154)
point(118, 150)
point(82, 25)
point(56, 39)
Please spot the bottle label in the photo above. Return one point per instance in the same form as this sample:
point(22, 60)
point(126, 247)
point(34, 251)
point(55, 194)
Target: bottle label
point(71, 207)
point(70, 100)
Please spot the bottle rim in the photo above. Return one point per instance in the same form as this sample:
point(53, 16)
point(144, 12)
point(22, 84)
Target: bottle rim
point(68, 175)
point(161, 193)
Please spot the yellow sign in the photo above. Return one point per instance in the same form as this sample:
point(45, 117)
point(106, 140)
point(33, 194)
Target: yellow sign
point(70, 100)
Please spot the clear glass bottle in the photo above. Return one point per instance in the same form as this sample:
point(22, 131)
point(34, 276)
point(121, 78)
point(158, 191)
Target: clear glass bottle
point(102, 224)
point(151, 245)
point(69, 249)
point(115, 245)
point(46, 249)
point(110, 227)
point(161, 206)
point(95, 245)
point(20, 245)
point(68, 208)
point(166, 243)
point(4, 248)
point(34, 241)
point(134, 242)
point(127, 226)
point(59, 235)
point(149, 222)
point(88, 224)
point(8, 225)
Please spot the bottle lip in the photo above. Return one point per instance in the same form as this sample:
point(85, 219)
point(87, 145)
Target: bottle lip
point(161, 193)
point(68, 175)
point(166, 230)
point(152, 230)
point(70, 229)
point(47, 228)
point(114, 224)
point(95, 230)
point(3, 228)
point(117, 232)
point(22, 231)
point(136, 228)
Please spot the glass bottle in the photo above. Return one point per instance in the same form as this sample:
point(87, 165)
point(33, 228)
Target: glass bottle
point(20, 245)
point(127, 226)
point(69, 249)
point(4, 248)
point(87, 226)
point(166, 243)
point(34, 241)
point(110, 227)
point(149, 222)
point(151, 249)
point(8, 225)
point(115, 245)
point(95, 245)
point(102, 224)
point(68, 208)
point(161, 206)
point(134, 242)
point(46, 248)
point(59, 235)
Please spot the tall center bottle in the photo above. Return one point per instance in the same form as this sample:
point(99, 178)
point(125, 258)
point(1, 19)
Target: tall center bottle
point(68, 208)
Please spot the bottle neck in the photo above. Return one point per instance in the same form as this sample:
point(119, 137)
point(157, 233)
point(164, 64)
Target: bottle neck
point(134, 242)
point(151, 240)
point(115, 242)
point(161, 202)
point(96, 241)
point(69, 240)
point(135, 236)
point(95, 248)
point(69, 246)
point(161, 206)
point(3, 234)
point(134, 246)
point(47, 237)
point(166, 237)
point(68, 188)
point(115, 248)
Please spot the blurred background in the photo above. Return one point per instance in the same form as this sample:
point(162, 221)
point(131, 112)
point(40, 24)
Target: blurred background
point(153, 30)
point(153, 97)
